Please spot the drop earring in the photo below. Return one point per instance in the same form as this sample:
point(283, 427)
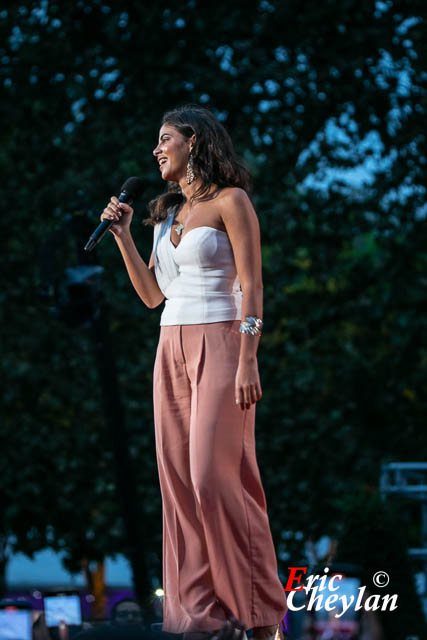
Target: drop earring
point(190, 169)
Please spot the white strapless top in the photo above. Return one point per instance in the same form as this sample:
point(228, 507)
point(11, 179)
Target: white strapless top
point(198, 277)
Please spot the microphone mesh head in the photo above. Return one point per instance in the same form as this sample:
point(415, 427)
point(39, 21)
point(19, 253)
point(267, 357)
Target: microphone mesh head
point(133, 186)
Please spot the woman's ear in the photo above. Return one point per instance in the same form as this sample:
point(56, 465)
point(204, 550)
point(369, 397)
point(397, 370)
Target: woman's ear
point(192, 141)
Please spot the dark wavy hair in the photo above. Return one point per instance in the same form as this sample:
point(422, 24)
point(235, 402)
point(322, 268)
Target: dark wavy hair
point(215, 161)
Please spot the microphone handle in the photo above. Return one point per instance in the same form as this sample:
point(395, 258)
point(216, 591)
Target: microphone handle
point(98, 234)
point(104, 226)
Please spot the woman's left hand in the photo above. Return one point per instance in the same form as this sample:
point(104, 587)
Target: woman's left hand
point(248, 386)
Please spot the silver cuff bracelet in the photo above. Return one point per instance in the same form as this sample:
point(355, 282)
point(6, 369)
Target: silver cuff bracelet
point(253, 326)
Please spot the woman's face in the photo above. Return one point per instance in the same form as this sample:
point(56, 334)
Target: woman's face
point(172, 153)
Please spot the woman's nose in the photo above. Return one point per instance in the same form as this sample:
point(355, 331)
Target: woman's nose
point(156, 151)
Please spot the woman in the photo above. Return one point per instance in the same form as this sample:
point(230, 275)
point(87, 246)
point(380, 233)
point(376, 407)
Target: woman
point(218, 554)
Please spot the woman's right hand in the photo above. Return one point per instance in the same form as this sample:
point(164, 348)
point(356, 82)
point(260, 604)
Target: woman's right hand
point(121, 213)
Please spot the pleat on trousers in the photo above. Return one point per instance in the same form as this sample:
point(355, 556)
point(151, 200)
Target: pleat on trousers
point(218, 552)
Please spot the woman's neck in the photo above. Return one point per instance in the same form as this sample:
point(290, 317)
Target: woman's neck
point(188, 190)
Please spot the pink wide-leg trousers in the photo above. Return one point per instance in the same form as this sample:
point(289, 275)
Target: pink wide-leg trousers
point(218, 552)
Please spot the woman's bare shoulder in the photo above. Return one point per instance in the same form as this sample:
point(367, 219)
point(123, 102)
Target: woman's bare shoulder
point(235, 207)
point(233, 195)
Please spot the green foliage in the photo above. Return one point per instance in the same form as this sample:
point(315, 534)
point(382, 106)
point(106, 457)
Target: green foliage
point(371, 539)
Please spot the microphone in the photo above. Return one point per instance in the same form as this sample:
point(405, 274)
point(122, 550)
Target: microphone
point(130, 191)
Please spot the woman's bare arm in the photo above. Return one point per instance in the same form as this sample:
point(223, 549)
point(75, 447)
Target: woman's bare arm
point(142, 277)
point(242, 226)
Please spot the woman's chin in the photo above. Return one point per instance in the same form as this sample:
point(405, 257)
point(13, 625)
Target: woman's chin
point(166, 175)
point(169, 178)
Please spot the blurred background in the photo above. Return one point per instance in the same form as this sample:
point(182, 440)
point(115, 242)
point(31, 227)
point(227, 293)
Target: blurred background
point(326, 103)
